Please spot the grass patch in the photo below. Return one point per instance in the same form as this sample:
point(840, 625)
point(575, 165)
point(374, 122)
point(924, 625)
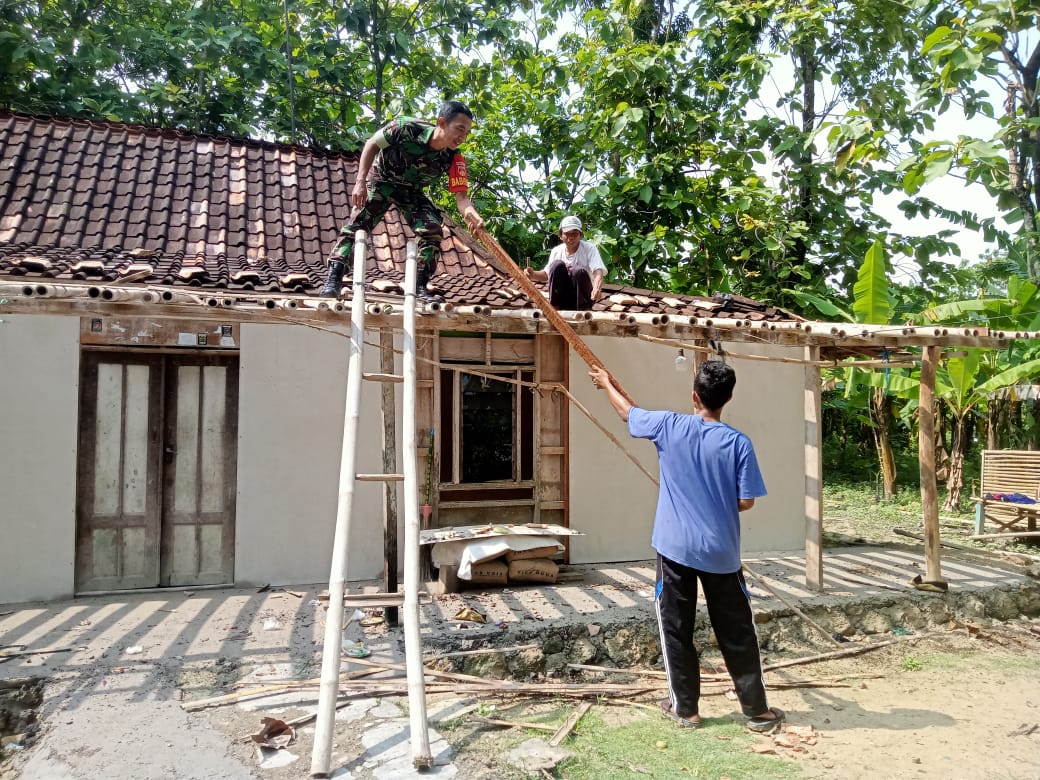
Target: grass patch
point(720, 749)
point(855, 512)
point(911, 663)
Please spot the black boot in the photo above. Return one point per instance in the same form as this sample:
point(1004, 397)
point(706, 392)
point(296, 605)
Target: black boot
point(334, 282)
point(422, 292)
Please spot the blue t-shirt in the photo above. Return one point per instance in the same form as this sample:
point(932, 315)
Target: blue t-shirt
point(705, 468)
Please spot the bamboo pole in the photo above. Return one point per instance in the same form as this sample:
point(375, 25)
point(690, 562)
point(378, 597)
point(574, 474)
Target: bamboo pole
point(1005, 535)
point(321, 755)
point(422, 758)
point(539, 300)
point(389, 412)
point(812, 433)
point(926, 459)
point(762, 581)
point(857, 650)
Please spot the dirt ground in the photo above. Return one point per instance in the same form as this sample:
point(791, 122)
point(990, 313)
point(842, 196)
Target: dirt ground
point(955, 706)
point(964, 703)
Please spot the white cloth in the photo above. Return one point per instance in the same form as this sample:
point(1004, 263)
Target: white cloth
point(587, 256)
point(467, 552)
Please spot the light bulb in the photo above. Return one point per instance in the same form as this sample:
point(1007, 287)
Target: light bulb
point(680, 361)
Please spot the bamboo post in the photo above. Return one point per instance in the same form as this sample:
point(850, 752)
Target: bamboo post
point(813, 425)
point(558, 322)
point(926, 460)
point(328, 691)
point(386, 366)
point(422, 758)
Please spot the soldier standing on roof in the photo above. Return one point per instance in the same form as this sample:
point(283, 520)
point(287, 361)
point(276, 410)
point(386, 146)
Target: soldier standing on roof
point(397, 163)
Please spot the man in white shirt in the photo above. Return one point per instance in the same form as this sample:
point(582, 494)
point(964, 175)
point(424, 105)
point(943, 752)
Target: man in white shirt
point(575, 270)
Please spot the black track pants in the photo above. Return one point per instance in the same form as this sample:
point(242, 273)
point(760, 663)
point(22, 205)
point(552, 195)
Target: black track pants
point(729, 609)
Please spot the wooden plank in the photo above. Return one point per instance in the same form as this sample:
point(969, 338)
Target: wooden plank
point(155, 332)
point(571, 722)
point(513, 350)
point(487, 504)
point(463, 349)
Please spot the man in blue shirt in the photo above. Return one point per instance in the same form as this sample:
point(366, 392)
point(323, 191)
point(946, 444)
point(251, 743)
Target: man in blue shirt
point(709, 474)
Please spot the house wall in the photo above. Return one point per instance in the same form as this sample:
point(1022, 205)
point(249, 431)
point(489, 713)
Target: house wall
point(613, 502)
point(292, 391)
point(39, 402)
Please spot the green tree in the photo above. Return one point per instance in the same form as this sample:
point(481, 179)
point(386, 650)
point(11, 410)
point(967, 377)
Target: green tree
point(975, 44)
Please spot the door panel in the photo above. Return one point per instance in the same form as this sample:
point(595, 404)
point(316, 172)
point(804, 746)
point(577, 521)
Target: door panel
point(117, 542)
point(157, 463)
point(200, 460)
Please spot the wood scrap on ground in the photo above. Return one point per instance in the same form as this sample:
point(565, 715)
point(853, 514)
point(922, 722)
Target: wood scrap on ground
point(519, 724)
point(5, 654)
point(1012, 556)
point(480, 651)
point(857, 650)
point(773, 591)
point(569, 724)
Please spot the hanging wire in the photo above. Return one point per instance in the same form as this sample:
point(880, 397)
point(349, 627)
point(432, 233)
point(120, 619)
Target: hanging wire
point(292, 91)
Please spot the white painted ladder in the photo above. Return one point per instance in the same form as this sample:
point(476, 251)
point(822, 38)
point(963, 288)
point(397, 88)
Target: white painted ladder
point(321, 756)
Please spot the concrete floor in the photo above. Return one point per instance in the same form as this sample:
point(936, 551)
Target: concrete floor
point(286, 624)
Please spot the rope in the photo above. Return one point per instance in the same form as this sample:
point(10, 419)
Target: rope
point(608, 434)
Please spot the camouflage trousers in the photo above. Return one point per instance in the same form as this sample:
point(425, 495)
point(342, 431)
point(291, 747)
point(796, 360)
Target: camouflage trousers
point(418, 211)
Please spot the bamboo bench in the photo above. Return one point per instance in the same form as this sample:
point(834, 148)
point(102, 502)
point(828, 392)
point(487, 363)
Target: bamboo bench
point(1008, 471)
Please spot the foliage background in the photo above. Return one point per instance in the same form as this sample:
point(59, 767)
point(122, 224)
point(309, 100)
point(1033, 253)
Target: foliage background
point(737, 146)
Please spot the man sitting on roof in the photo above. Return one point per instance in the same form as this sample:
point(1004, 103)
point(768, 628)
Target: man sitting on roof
point(575, 270)
point(397, 164)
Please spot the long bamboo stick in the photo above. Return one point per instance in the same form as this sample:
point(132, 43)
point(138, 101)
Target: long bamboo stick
point(539, 300)
point(1005, 535)
point(422, 757)
point(321, 754)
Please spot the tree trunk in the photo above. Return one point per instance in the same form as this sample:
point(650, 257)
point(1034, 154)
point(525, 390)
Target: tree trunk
point(880, 416)
point(807, 64)
point(955, 483)
point(1034, 436)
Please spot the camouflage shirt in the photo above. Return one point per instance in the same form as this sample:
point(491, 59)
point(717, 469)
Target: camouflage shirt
point(405, 157)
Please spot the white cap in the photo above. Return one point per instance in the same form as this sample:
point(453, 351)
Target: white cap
point(571, 223)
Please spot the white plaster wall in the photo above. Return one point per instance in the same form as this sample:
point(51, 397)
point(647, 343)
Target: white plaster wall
point(39, 402)
point(613, 502)
point(292, 391)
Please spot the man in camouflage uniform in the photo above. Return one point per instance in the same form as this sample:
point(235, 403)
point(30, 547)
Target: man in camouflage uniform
point(397, 163)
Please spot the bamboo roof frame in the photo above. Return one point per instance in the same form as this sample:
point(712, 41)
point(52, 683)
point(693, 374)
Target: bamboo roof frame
point(816, 338)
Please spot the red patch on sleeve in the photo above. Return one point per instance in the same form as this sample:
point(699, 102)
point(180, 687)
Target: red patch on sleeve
point(458, 180)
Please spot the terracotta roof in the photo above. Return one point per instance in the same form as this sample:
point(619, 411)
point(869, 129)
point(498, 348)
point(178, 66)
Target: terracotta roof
point(104, 202)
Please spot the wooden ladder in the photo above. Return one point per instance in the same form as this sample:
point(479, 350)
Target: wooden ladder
point(321, 756)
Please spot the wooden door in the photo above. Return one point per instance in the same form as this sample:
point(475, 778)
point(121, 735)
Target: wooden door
point(199, 464)
point(157, 463)
point(118, 508)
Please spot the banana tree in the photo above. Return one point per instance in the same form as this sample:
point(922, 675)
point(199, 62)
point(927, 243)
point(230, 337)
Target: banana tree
point(957, 383)
point(872, 304)
point(1017, 307)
